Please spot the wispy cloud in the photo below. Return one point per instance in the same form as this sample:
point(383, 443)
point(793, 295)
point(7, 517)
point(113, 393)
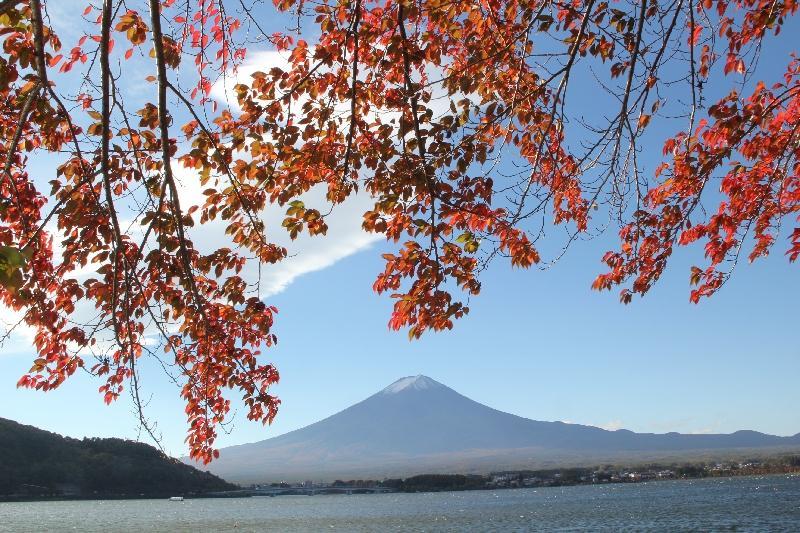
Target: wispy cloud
point(704, 431)
point(307, 254)
point(613, 425)
point(345, 235)
point(262, 60)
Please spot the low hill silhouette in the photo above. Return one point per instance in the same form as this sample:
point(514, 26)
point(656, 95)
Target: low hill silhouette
point(35, 463)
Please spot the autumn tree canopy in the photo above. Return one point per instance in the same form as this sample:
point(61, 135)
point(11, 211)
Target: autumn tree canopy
point(454, 117)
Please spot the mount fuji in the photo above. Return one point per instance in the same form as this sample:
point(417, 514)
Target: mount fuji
point(417, 425)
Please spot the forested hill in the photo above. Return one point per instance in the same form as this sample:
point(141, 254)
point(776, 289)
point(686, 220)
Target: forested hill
point(36, 463)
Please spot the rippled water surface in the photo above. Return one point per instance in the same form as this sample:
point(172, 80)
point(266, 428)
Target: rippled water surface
point(739, 504)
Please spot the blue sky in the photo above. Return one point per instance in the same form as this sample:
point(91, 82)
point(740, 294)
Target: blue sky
point(539, 344)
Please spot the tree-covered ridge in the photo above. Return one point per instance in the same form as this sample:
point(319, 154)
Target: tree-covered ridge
point(35, 463)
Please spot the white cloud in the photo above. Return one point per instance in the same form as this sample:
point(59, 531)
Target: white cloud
point(266, 60)
point(306, 254)
point(262, 60)
point(613, 425)
point(704, 431)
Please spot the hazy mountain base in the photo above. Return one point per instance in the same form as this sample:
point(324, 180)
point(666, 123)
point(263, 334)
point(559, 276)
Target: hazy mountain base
point(482, 462)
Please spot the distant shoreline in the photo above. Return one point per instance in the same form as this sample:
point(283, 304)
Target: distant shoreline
point(5, 498)
point(425, 483)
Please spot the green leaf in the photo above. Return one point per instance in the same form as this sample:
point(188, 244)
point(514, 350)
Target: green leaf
point(12, 257)
point(465, 237)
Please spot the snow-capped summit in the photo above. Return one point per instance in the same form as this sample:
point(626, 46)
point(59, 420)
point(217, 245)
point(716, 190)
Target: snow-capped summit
point(418, 382)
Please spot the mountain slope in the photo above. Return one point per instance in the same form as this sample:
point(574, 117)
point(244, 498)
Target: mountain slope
point(419, 425)
point(35, 463)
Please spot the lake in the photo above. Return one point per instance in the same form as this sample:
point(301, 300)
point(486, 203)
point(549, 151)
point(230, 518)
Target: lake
point(731, 504)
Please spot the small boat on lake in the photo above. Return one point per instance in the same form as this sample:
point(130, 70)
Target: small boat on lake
point(176, 499)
